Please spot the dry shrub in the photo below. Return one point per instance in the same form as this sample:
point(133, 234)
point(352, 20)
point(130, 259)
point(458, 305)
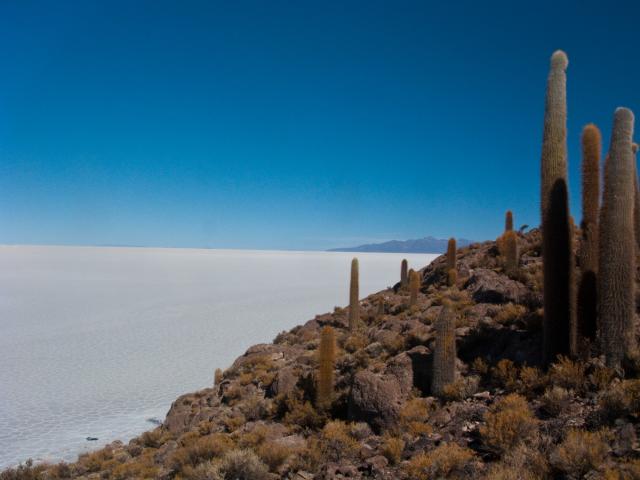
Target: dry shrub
point(94, 461)
point(580, 452)
point(462, 388)
point(24, 471)
point(203, 471)
point(567, 374)
point(505, 374)
point(142, 467)
point(274, 454)
point(336, 441)
point(556, 400)
point(479, 366)
point(302, 415)
point(355, 342)
point(531, 380)
point(509, 313)
point(392, 449)
point(522, 463)
point(629, 470)
point(601, 377)
point(622, 398)
point(197, 450)
point(414, 416)
point(242, 464)
point(449, 460)
point(508, 423)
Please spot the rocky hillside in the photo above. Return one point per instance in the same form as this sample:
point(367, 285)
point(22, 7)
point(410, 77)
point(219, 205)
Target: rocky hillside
point(502, 418)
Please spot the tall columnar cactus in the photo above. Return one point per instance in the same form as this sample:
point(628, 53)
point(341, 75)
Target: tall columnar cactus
point(511, 255)
point(616, 266)
point(451, 254)
point(404, 273)
point(444, 355)
point(587, 301)
point(451, 260)
point(326, 359)
point(508, 221)
point(414, 287)
point(636, 214)
point(354, 296)
point(559, 310)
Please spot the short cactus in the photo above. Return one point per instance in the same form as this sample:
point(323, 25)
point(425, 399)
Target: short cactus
point(414, 287)
point(616, 267)
point(511, 255)
point(444, 355)
point(587, 301)
point(559, 327)
point(354, 296)
point(326, 360)
point(404, 273)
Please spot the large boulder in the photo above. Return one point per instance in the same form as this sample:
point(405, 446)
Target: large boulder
point(487, 286)
point(377, 398)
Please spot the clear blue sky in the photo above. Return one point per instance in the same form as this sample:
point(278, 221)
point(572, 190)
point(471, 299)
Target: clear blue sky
point(294, 125)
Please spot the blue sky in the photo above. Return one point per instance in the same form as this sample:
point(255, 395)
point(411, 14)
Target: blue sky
point(292, 125)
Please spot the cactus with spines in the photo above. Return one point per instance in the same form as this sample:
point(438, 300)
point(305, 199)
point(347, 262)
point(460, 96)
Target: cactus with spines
point(326, 360)
point(414, 287)
point(559, 337)
point(616, 265)
point(451, 257)
point(587, 300)
point(404, 273)
point(452, 277)
point(354, 296)
point(511, 255)
point(444, 355)
point(636, 210)
point(508, 221)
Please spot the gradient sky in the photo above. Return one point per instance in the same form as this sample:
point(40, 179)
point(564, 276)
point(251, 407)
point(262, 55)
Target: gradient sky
point(292, 125)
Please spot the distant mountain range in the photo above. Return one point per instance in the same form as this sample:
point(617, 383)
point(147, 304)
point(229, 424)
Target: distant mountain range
point(420, 245)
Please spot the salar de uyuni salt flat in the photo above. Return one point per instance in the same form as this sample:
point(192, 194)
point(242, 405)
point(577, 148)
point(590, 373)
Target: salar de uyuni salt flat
point(98, 341)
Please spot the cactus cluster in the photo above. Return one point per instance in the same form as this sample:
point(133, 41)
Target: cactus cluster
point(326, 360)
point(444, 355)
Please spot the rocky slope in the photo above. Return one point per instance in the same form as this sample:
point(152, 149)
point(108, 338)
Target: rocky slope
point(504, 418)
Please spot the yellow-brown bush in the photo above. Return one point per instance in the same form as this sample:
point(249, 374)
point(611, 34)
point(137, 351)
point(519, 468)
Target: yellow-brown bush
point(392, 449)
point(303, 415)
point(195, 450)
point(274, 454)
point(556, 400)
point(505, 374)
point(509, 313)
point(522, 463)
point(580, 452)
point(621, 398)
point(336, 441)
point(508, 423)
point(414, 416)
point(568, 374)
point(449, 460)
